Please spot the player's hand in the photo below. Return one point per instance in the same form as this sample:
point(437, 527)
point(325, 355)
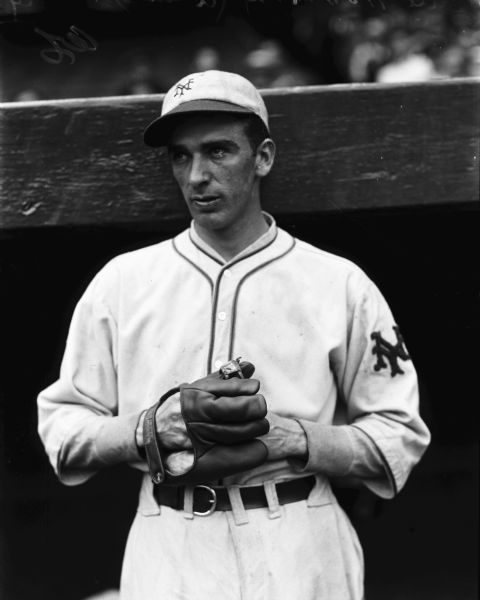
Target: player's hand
point(170, 426)
point(178, 463)
point(285, 439)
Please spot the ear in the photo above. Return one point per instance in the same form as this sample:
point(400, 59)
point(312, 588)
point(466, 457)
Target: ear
point(264, 157)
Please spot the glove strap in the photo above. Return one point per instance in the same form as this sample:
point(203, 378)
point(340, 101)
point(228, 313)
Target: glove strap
point(150, 440)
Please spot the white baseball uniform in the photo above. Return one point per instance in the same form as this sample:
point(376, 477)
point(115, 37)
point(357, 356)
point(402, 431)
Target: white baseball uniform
point(327, 353)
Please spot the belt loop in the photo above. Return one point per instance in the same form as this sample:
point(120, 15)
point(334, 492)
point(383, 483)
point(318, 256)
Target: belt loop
point(188, 502)
point(147, 504)
point(239, 513)
point(272, 500)
point(321, 493)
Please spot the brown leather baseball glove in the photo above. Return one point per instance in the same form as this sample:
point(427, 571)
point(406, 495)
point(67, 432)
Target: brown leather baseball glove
point(222, 418)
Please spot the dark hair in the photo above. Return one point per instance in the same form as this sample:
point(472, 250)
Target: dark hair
point(255, 130)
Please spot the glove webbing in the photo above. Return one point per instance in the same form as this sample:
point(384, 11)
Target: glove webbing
point(150, 440)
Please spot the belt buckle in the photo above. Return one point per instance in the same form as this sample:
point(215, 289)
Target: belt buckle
point(212, 501)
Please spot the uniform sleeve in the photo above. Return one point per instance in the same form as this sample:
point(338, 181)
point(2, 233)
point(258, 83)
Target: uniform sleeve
point(378, 398)
point(340, 451)
point(379, 387)
point(78, 419)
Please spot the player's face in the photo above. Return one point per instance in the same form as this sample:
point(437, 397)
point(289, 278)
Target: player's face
point(217, 171)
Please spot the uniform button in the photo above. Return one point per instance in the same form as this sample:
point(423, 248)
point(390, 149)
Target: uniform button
point(218, 364)
point(222, 315)
point(227, 273)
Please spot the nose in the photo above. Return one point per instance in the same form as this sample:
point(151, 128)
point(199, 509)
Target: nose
point(198, 171)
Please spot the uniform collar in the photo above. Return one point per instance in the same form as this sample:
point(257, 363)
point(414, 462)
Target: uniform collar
point(264, 240)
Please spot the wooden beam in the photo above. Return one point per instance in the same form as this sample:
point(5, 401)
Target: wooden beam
point(340, 147)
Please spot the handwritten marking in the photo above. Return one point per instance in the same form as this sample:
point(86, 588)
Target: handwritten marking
point(28, 207)
point(124, 4)
point(372, 3)
point(79, 42)
point(332, 3)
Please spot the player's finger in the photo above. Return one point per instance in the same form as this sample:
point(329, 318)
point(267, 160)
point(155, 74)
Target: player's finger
point(225, 387)
point(232, 433)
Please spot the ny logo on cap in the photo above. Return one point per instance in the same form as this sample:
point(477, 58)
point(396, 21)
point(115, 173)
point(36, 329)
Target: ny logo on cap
point(182, 87)
point(391, 352)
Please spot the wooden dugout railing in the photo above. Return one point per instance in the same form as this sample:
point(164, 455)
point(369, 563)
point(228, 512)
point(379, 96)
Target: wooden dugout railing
point(340, 147)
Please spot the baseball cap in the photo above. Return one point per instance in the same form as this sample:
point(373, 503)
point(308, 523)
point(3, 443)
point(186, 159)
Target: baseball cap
point(208, 91)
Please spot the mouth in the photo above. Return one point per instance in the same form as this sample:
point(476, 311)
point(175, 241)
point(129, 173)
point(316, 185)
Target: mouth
point(206, 201)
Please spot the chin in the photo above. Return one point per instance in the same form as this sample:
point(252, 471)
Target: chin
point(212, 221)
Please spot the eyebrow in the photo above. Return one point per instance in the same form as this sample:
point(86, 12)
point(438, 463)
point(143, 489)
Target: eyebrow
point(206, 145)
point(221, 142)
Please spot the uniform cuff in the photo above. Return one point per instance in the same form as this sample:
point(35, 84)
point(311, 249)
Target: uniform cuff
point(330, 449)
point(116, 442)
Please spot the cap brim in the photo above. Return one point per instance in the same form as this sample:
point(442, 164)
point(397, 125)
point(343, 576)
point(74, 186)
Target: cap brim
point(158, 132)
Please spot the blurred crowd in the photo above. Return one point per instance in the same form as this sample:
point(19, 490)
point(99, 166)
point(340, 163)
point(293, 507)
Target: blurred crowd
point(378, 41)
point(321, 42)
point(415, 44)
point(419, 41)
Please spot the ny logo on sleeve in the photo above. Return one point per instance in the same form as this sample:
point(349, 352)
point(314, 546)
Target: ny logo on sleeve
point(383, 349)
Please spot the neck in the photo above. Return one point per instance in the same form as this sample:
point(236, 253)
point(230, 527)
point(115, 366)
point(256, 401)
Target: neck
point(232, 240)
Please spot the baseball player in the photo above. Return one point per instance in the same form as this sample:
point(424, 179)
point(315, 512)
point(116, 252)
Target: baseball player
point(237, 453)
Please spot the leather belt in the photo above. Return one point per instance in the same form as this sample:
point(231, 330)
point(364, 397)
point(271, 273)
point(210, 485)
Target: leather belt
point(208, 498)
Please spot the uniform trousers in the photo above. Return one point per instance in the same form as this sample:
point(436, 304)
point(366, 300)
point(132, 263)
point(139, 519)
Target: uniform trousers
point(304, 550)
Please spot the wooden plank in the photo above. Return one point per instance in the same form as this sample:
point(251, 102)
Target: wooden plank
point(342, 147)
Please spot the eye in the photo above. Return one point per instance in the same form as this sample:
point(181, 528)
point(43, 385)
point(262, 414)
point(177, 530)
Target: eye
point(217, 152)
point(178, 156)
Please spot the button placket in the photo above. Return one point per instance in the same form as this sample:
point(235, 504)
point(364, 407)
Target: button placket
point(222, 316)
